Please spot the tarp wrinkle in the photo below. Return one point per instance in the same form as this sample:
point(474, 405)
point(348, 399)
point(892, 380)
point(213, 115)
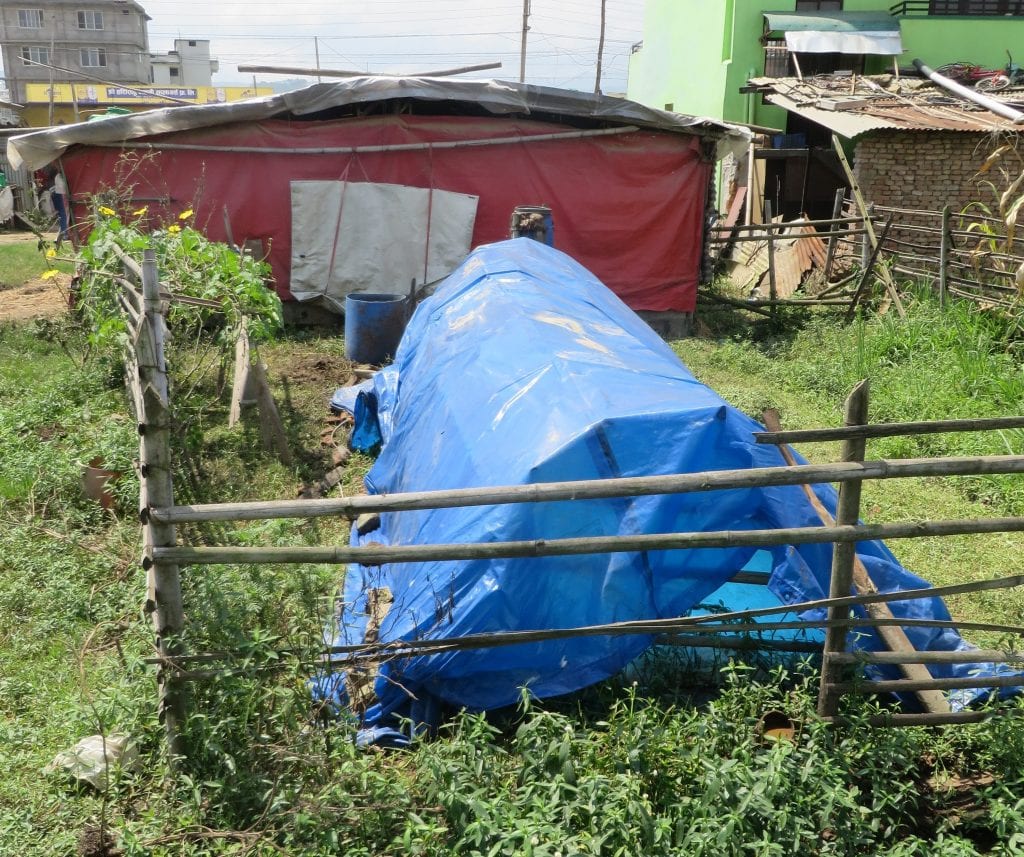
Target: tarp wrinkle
point(478, 349)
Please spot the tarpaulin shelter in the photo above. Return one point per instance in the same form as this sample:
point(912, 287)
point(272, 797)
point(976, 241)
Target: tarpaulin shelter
point(523, 368)
point(363, 184)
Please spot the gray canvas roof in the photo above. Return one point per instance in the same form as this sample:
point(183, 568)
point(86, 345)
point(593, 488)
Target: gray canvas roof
point(39, 148)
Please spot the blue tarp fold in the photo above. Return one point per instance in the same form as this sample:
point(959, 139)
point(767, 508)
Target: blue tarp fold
point(523, 368)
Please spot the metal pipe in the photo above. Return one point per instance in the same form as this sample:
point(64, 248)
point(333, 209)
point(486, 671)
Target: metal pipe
point(996, 107)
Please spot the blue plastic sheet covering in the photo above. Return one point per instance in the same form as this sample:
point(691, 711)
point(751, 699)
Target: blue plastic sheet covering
point(523, 368)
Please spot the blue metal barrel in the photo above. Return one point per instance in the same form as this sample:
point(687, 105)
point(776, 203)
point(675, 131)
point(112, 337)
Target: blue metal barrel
point(374, 324)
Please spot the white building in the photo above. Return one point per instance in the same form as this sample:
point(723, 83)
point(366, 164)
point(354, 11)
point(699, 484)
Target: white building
point(189, 64)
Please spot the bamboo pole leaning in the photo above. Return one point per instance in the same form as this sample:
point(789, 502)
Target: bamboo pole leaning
point(893, 636)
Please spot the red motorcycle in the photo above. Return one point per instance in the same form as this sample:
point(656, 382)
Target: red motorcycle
point(984, 79)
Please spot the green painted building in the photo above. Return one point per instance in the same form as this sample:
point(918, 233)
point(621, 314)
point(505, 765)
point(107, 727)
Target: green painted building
point(697, 55)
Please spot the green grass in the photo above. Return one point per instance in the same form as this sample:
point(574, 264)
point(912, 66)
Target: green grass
point(22, 262)
point(617, 770)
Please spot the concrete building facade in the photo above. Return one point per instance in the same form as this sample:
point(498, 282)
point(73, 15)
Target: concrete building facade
point(101, 38)
point(189, 64)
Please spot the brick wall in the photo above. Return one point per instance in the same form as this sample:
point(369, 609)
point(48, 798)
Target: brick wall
point(922, 169)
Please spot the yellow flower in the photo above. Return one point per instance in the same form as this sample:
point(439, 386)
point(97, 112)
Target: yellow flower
point(174, 229)
point(185, 215)
point(140, 211)
point(109, 212)
point(49, 275)
point(51, 254)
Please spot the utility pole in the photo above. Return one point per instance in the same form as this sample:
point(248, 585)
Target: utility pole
point(316, 47)
point(522, 50)
point(600, 48)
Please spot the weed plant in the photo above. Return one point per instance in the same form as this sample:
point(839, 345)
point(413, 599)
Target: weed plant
point(651, 769)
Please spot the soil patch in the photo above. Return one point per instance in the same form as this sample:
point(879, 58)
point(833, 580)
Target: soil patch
point(37, 298)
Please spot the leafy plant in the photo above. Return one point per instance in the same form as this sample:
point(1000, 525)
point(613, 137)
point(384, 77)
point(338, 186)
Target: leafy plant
point(190, 265)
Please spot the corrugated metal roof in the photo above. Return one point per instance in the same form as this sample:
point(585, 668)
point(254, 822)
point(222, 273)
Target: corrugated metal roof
point(834, 22)
point(853, 108)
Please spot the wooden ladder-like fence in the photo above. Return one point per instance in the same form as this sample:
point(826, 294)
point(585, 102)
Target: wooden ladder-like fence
point(163, 557)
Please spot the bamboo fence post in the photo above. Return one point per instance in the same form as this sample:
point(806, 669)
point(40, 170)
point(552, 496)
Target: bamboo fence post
point(833, 233)
point(944, 242)
point(163, 579)
point(843, 554)
point(869, 267)
point(772, 290)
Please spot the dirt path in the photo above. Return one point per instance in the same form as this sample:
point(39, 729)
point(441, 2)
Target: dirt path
point(36, 299)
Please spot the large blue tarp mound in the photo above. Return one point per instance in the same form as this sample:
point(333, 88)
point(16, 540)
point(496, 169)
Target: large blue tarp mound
point(523, 368)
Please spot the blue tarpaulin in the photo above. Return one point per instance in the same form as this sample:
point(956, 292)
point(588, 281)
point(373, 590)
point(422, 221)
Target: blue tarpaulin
point(523, 368)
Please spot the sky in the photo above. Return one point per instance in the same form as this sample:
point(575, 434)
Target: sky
point(408, 36)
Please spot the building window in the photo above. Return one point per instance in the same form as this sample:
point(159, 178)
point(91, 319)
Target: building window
point(90, 20)
point(93, 57)
point(976, 7)
point(30, 56)
point(191, 43)
point(30, 19)
point(175, 72)
point(819, 5)
point(776, 58)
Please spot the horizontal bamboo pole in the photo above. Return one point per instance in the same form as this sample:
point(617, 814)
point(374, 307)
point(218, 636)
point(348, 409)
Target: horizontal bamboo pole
point(678, 627)
point(737, 644)
point(907, 686)
point(381, 554)
point(952, 719)
point(594, 489)
point(778, 227)
point(978, 297)
point(971, 656)
point(721, 240)
point(889, 430)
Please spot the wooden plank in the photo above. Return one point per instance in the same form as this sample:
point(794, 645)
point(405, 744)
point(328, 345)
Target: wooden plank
point(894, 637)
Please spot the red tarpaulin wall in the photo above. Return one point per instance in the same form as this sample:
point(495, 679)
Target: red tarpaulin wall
point(629, 207)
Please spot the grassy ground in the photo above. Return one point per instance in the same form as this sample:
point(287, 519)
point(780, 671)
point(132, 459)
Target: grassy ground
point(21, 261)
point(607, 773)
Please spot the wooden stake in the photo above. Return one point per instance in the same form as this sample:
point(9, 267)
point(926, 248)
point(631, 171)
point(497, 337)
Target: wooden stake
point(238, 386)
point(271, 426)
point(833, 234)
point(945, 239)
point(894, 637)
point(772, 288)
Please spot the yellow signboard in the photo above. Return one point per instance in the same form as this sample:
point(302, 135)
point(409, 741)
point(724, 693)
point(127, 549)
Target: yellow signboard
point(86, 95)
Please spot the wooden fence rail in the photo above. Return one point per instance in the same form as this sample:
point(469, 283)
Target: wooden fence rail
point(163, 556)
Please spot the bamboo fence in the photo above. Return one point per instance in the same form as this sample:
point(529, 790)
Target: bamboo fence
point(962, 254)
point(164, 558)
